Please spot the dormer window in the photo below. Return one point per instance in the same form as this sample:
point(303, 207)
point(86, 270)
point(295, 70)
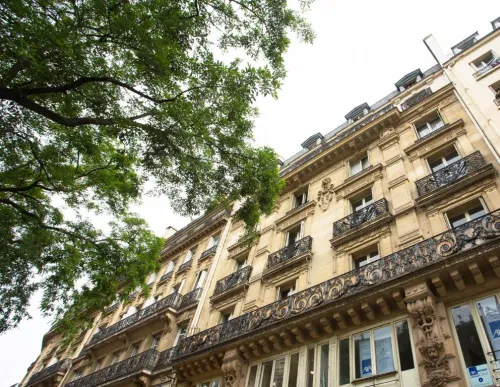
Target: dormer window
point(465, 44)
point(496, 23)
point(300, 197)
point(357, 113)
point(428, 125)
point(312, 141)
point(409, 80)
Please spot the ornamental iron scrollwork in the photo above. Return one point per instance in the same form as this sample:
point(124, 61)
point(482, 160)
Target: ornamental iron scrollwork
point(415, 99)
point(364, 215)
point(184, 266)
point(165, 358)
point(60, 366)
point(233, 280)
point(280, 257)
point(450, 174)
point(399, 264)
point(173, 301)
point(207, 253)
point(144, 361)
point(190, 298)
point(166, 276)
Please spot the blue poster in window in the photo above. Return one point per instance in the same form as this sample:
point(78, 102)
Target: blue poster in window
point(366, 367)
point(479, 376)
point(495, 329)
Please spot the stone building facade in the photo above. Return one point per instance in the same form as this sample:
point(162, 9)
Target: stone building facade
point(379, 266)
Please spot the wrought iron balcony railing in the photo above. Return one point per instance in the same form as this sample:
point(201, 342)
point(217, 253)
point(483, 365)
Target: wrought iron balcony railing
point(166, 276)
point(356, 219)
point(112, 307)
point(450, 174)
point(231, 281)
point(132, 296)
point(491, 65)
point(166, 357)
point(208, 252)
point(286, 253)
point(468, 236)
point(144, 361)
point(60, 366)
point(190, 298)
point(185, 266)
point(172, 300)
point(416, 99)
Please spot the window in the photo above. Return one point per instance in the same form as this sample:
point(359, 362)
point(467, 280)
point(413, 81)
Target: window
point(151, 278)
point(130, 312)
point(495, 88)
point(323, 363)
point(465, 213)
point(344, 362)
point(285, 290)
point(226, 316)
point(116, 358)
point(77, 375)
point(310, 367)
point(170, 267)
point(443, 159)
point(300, 197)
point(404, 345)
point(155, 342)
point(271, 373)
point(150, 301)
point(294, 234)
point(293, 371)
point(359, 165)
point(200, 279)
point(359, 204)
point(484, 60)
point(214, 240)
point(181, 334)
point(364, 259)
point(240, 263)
point(98, 364)
point(177, 287)
point(272, 370)
point(209, 383)
point(190, 254)
point(429, 125)
point(135, 349)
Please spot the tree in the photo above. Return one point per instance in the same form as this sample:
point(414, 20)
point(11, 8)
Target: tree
point(99, 96)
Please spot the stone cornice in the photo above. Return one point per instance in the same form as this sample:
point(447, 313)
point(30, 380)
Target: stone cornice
point(359, 181)
point(295, 215)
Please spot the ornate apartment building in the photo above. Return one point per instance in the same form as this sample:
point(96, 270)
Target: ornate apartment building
point(378, 267)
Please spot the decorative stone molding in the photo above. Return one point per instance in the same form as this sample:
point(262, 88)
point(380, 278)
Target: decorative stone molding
point(388, 137)
point(325, 195)
point(369, 236)
point(296, 215)
point(234, 369)
point(280, 201)
point(262, 250)
point(427, 144)
point(241, 247)
point(359, 181)
point(430, 339)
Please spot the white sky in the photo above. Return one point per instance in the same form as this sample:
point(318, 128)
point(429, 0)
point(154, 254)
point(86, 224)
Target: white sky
point(362, 48)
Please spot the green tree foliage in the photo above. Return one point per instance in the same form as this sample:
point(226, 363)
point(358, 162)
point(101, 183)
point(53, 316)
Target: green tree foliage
point(99, 96)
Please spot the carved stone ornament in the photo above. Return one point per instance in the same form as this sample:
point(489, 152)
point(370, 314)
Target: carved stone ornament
point(234, 369)
point(325, 195)
point(422, 309)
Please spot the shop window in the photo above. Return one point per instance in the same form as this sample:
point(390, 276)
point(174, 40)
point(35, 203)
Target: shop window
point(466, 213)
point(442, 159)
point(293, 370)
point(344, 362)
point(310, 367)
point(429, 124)
point(404, 345)
point(323, 365)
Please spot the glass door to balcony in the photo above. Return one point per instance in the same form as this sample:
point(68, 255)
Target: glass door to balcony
point(477, 328)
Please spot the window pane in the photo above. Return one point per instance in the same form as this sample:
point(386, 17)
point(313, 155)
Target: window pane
point(279, 370)
point(363, 355)
point(323, 376)
point(476, 212)
point(423, 130)
point(355, 168)
point(294, 369)
point(404, 346)
point(436, 123)
point(310, 367)
point(458, 220)
point(489, 312)
point(436, 165)
point(265, 374)
point(369, 200)
point(452, 157)
point(467, 336)
point(364, 162)
point(215, 383)
point(344, 367)
point(383, 350)
point(252, 376)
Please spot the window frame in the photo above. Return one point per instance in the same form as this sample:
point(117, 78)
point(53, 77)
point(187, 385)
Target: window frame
point(441, 155)
point(286, 371)
point(294, 291)
point(480, 57)
point(303, 193)
point(467, 217)
point(179, 333)
point(359, 161)
point(356, 255)
point(426, 121)
point(156, 338)
point(363, 200)
point(300, 235)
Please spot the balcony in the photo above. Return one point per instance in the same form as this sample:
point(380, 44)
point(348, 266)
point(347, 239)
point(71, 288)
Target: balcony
point(190, 299)
point(232, 283)
point(289, 256)
point(185, 266)
point(171, 301)
point(112, 308)
point(463, 171)
point(166, 276)
point(208, 253)
point(166, 357)
point(360, 221)
point(451, 249)
point(483, 70)
point(143, 363)
point(51, 375)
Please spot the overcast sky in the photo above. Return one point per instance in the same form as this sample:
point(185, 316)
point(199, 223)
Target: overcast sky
point(362, 48)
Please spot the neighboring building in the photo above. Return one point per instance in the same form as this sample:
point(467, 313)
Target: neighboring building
point(379, 266)
point(474, 69)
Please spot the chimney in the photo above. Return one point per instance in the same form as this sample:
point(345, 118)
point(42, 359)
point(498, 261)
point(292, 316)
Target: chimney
point(169, 231)
point(435, 49)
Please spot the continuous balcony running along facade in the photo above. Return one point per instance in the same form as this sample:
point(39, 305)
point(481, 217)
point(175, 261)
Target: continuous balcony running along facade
point(379, 266)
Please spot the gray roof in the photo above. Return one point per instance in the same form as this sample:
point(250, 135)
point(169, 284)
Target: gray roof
point(377, 105)
point(357, 110)
point(466, 43)
point(312, 140)
point(408, 78)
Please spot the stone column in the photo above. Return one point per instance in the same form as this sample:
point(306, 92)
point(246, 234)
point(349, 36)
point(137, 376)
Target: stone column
point(234, 369)
point(436, 353)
